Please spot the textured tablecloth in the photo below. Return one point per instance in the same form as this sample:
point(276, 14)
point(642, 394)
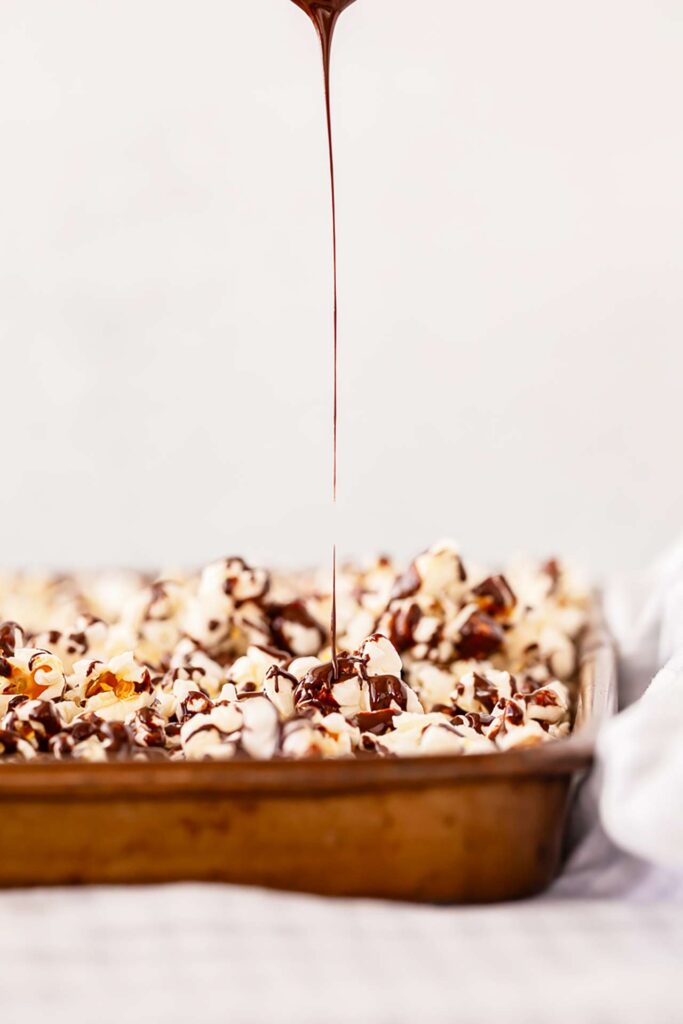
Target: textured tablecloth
point(217, 954)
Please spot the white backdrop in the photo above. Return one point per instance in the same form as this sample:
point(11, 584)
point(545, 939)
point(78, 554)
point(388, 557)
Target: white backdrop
point(511, 252)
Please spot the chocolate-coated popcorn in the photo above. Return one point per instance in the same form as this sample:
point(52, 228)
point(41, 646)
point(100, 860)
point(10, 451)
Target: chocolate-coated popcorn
point(235, 661)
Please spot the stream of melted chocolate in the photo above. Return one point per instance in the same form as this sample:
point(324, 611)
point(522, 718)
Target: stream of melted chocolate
point(324, 15)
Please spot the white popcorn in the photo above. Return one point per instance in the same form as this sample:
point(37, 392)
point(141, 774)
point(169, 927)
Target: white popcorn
point(301, 666)
point(435, 685)
point(35, 673)
point(529, 735)
point(260, 729)
point(252, 668)
point(440, 569)
point(380, 657)
point(548, 704)
point(278, 686)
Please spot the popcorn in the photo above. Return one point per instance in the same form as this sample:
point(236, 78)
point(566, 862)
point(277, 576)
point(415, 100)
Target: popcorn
point(528, 735)
point(34, 721)
point(10, 744)
point(430, 734)
point(11, 637)
point(201, 738)
point(190, 662)
point(31, 673)
point(250, 726)
point(295, 629)
point(148, 728)
point(495, 596)
point(249, 671)
point(441, 571)
point(477, 634)
point(435, 658)
point(238, 579)
point(434, 684)
point(549, 704)
point(279, 686)
point(260, 727)
point(112, 689)
point(151, 620)
point(367, 683)
point(88, 637)
point(327, 737)
point(379, 658)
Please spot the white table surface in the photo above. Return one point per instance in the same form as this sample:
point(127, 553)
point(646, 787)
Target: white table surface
point(190, 953)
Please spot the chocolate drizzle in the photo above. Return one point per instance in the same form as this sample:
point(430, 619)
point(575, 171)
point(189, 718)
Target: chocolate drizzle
point(314, 692)
point(324, 15)
point(485, 692)
point(376, 722)
point(383, 691)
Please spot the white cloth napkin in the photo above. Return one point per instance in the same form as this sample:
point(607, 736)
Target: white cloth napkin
point(628, 820)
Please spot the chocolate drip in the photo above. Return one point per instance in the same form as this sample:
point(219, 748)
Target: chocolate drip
point(333, 613)
point(324, 14)
point(385, 691)
point(513, 713)
point(314, 692)
point(376, 722)
point(485, 692)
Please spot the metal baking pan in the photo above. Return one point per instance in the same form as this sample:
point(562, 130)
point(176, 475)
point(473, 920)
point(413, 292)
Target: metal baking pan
point(469, 829)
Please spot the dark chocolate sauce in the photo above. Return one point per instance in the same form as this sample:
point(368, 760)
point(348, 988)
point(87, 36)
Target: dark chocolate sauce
point(495, 596)
point(324, 14)
point(385, 691)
